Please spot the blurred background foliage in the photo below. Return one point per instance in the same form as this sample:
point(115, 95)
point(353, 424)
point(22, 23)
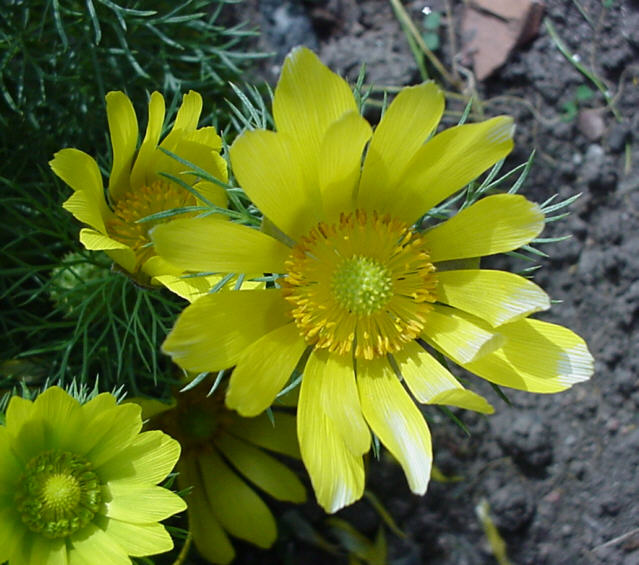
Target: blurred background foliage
point(65, 313)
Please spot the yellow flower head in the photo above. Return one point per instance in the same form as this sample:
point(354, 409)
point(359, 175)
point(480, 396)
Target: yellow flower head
point(136, 189)
point(364, 292)
point(78, 483)
point(220, 501)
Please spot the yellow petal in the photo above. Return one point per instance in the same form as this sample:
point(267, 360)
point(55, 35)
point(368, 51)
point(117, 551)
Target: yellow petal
point(213, 193)
point(94, 545)
point(12, 529)
point(10, 470)
point(431, 383)
point(208, 536)
point(269, 168)
point(199, 155)
point(189, 113)
point(495, 296)
point(81, 172)
point(240, 511)
point(341, 158)
point(140, 504)
point(410, 119)
point(208, 245)
point(449, 161)
point(119, 252)
point(337, 475)
point(123, 126)
point(332, 382)
point(460, 336)
point(494, 224)
point(48, 551)
point(536, 356)
point(263, 369)
point(308, 98)
point(84, 208)
point(142, 174)
point(190, 288)
point(213, 332)
point(261, 469)
point(395, 419)
point(280, 436)
point(139, 539)
point(149, 459)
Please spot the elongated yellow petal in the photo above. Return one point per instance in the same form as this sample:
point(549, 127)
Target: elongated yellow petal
point(280, 437)
point(333, 377)
point(495, 296)
point(458, 335)
point(94, 545)
point(308, 98)
point(263, 370)
point(139, 539)
point(119, 252)
point(189, 113)
point(410, 119)
point(208, 536)
point(431, 383)
point(11, 531)
point(206, 244)
point(149, 459)
point(140, 504)
point(123, 126)
point(395, 419)
point(10, 470)
point(448, 162)
point(84, 208)
point(80, 172)
point(340, 159)
point(494, 224)
point(269, 168)
point(142, 174)
point(110, 432)
point(49, 551)
point(536, 356)
point(213, 332)
point(240, 511)
point(261, 469)
point(336, 473)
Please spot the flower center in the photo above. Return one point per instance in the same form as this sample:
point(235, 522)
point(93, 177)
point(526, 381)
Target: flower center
point(363, 285)
point(139, 203)
point(58, 494)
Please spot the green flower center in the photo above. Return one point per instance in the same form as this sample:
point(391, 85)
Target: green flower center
point(362, 285)
point(58, 494)
point(199, 424)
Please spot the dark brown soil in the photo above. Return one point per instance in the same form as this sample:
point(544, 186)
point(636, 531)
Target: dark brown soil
point(561, 472)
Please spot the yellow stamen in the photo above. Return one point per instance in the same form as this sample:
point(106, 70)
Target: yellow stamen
point(159, 196)
point(363, 285)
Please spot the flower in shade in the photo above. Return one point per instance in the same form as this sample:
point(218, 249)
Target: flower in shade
point(220, 452)
point(78, 483)
point(365, 297)
point(136, 189)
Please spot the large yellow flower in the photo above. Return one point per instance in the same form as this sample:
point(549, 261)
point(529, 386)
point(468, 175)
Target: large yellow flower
point(137, 190)
point(219, 449)
point(365, 297)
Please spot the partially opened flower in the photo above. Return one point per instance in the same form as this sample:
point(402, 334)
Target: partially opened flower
point(78, 483)
point(364, 293)
point(136, 189)
point(221, 451)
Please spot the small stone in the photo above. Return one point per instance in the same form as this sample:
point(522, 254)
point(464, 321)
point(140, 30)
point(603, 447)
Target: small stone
point(492, 29)
point(526, 439)
point(591, 123)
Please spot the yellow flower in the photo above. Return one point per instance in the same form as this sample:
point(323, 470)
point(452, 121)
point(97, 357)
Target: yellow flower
point(78, 483)
point(365, 297)
point(220, 501)
point(137, 190)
